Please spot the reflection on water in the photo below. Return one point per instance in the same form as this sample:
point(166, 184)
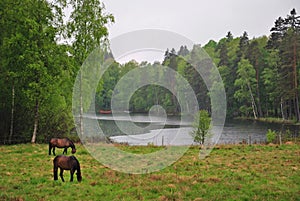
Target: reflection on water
point(109, 126)
point(172, 131)
point(236, 131)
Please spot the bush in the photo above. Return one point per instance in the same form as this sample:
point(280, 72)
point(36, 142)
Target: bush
point(271, 135)
point(201, 126)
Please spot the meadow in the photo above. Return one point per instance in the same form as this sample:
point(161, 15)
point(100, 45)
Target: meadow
point(230, 172)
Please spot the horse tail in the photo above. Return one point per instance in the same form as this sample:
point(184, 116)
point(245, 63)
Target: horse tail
point(78, 167)
point(79, 177)
point(55, 160)
point(55, 168)
point(50, 146)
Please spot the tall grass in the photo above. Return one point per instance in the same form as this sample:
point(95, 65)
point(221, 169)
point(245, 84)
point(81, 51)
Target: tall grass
point(237, 172)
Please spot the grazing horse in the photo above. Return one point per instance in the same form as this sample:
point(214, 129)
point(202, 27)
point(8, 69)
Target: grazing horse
point(61, 143)
point(66, 163)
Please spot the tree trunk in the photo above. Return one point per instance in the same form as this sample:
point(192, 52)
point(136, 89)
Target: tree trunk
point(282, 108)
point(289, 106)
point(297, 113)
point(254, 108)
point(11, 131)
point(36, 121)
point(260, 113)
point(297, 107)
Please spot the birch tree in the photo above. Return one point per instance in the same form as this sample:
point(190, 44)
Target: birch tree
point(87, 29)
point(245, 83)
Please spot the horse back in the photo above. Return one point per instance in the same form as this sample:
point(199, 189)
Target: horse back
point(64, 162)
point(61, 143)
point(53, 140)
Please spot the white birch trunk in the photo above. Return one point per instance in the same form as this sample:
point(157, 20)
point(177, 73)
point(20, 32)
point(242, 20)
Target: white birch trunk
point(36, 121)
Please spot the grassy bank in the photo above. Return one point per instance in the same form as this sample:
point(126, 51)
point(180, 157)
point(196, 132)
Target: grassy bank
point(271, 120)
point(236, 172)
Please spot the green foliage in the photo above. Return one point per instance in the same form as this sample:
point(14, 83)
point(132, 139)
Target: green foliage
point(32, 63)
point(37, 73)
point(210, 48)
point(245, 83)
point(254, 75)
point(271, 136)
point(201, 126)
point(106, 87)
point(38, 69)
point(87, 27)
point(285, 38)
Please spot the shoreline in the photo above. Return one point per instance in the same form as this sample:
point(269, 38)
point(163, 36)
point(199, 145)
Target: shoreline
point(270, 120)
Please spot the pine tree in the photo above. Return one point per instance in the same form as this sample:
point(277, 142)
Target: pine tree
point(277, 33)
point(285, 37)
point(183, 51)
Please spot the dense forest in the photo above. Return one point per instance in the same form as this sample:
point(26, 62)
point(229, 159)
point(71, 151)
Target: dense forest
point(39, 64)
point(260, 75)
point(41, 53)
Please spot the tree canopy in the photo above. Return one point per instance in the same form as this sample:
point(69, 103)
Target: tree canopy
point(38, 70)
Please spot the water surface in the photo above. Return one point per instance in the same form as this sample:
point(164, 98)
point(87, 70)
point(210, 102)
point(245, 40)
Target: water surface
point(172, 131)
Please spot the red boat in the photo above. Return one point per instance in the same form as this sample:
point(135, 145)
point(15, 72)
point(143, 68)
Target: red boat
point(105, 111)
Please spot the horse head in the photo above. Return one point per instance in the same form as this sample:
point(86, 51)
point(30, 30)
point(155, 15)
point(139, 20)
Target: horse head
point(79, 177)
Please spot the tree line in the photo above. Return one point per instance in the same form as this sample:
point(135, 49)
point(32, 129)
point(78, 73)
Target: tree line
point(260, 75)
point(38, 69)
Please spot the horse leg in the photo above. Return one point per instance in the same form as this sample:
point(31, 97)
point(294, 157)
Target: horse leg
point(61, 174)
point(50, 148)
point(53, 151)
point(72, 173)
point(65, 150)
point(55, 172)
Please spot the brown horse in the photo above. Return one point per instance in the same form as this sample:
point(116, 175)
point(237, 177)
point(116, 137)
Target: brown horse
point(61, 143)
point(66, 163)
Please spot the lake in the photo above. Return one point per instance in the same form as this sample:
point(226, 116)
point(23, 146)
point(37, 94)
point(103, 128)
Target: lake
point(139, 129)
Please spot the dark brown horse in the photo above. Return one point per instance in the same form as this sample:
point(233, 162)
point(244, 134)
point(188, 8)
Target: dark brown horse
point(66, 163)
point(61, 143)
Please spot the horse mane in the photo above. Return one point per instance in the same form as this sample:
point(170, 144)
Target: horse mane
point(71, 143)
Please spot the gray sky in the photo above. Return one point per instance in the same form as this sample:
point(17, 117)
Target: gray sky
point(198, 20)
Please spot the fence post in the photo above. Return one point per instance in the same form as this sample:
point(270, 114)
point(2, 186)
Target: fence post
point(280, 141)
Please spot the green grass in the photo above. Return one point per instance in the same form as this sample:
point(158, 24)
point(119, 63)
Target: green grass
point(236, 172)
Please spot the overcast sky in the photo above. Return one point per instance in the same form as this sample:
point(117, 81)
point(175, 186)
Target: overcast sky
point(198, 20)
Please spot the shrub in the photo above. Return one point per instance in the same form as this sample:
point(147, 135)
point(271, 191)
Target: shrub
point(201, 126)
point(271, 135)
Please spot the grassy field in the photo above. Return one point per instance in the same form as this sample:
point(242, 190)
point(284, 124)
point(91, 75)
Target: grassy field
point(236, 172)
